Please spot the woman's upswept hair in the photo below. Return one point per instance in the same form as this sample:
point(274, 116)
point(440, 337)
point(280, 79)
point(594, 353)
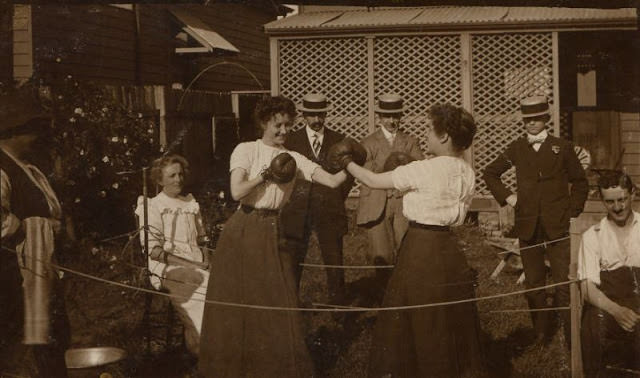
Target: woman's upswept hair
point(456, 122)
point(158, 165)
point(268, 106)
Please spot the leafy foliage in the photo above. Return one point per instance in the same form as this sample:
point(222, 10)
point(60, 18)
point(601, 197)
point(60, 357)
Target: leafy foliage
point(100, 148)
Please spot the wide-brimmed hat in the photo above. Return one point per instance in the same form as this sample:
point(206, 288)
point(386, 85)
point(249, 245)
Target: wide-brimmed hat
point(534, 106)
point(390, 103)
point(20, 106)
point(314, 103)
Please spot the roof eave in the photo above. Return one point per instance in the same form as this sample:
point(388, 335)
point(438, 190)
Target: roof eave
point(615, 24)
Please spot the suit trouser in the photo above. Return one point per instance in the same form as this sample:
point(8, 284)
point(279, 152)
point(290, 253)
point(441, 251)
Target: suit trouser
point(330, 243)
point(386, 234)
point(535, 272)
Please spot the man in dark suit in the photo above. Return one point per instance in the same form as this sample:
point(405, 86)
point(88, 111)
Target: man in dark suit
point(314, 207)
point(552, 188)
point(379, 210)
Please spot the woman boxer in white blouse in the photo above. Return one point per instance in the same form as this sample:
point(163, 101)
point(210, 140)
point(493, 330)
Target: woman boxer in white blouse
point(249, 267)
point(435, 341)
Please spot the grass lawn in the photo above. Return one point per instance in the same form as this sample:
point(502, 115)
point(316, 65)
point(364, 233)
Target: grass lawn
point(107, 315)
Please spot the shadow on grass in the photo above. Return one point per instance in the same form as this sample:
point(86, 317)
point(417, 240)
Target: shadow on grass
point(499, 353)
point(333, 339)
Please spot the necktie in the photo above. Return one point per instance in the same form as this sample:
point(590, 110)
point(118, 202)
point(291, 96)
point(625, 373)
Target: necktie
point(536, 140)
point(316, 145)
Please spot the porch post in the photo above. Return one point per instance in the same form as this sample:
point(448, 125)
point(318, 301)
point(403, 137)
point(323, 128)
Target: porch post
point(556, 85)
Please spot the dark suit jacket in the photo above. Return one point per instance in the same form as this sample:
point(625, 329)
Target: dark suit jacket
point(372, 201)
point(324, 204)
point(543, 180)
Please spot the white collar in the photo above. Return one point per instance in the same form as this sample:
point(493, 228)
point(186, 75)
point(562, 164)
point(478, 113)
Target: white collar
point(388, 135)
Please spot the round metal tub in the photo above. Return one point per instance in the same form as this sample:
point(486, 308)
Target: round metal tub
point(80, 358)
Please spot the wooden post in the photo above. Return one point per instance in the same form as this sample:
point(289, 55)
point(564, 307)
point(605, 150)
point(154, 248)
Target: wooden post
point(576, 301)
point(576, 228)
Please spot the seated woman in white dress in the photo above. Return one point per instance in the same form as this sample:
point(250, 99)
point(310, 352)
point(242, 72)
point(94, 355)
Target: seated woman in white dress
point(176, 262)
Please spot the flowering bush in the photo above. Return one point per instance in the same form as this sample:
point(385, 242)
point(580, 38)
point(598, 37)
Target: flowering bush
point(100, 148)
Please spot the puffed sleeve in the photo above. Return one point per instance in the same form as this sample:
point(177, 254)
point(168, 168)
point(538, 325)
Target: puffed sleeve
point(306, 166)
point(242, 156)
point(403, 175)
point(154, 219)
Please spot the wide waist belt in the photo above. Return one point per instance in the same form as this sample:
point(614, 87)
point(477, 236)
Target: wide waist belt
point(431, 227)
point(247, 209)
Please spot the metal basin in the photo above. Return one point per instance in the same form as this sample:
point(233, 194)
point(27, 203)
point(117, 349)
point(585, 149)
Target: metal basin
point(80, 358)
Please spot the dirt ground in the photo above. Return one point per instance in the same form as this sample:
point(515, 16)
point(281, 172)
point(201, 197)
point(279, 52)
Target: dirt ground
point(105, 315)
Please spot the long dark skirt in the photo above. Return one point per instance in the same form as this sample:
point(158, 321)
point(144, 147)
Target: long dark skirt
point(438, 341)
point(249, 268)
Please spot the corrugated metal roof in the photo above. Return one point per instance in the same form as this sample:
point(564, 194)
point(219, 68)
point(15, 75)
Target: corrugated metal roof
point(452, 17)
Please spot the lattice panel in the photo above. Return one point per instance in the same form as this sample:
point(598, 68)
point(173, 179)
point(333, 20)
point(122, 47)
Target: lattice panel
point(336, 67)
point(424, 70)
point(506, 68)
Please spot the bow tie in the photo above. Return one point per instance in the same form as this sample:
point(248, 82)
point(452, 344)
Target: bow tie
point(533, 139)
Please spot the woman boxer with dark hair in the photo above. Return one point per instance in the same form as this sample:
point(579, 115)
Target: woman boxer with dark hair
point(248, 266)
point(433, 341)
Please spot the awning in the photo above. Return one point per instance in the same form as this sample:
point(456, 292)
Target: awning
point(201, 32)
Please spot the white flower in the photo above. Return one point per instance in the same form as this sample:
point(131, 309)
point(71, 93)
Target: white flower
point(59, 97)
point(221, 195)
point(102, 194)
point(161, 148)
point(92, 169)
point(128, 153)
point(105, 109)
point(77, 200)
point(72, 120)
point(64, 135)
point(124, 140)
point(58, 60)
point(150, 131)
point(68, 76)
point(81, 152)
point(78, 110)
point(95, 250)
point(115, 139)
point(105, 159)
point(139, 115)
point(150, 140)
point(115, 185)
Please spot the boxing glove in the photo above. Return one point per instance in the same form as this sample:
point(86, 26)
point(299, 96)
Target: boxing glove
point(281, 170)
point(396, 159)
point(343, 152)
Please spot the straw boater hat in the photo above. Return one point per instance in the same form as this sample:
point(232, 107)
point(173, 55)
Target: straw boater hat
point(390, 103)
point(314, 103)
point(534, 106)
point(19, 106)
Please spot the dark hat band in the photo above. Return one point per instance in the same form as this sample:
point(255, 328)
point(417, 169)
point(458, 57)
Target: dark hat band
point(387, 105)
point(314, 105)
point(534, 108)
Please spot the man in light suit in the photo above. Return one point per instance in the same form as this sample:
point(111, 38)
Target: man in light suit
point(379, 210)
point(315, 207)
point(545, 166)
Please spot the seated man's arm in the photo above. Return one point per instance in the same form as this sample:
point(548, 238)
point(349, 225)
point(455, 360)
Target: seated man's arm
point(589, 272)
point(626, 317)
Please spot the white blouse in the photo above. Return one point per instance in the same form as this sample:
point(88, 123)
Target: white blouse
point(174, 224)
point(440, 190)
point(255, 156)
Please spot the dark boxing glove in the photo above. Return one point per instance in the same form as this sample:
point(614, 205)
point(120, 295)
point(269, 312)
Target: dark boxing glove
point(396, 159)
point(343, 152)
point(281, 170)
